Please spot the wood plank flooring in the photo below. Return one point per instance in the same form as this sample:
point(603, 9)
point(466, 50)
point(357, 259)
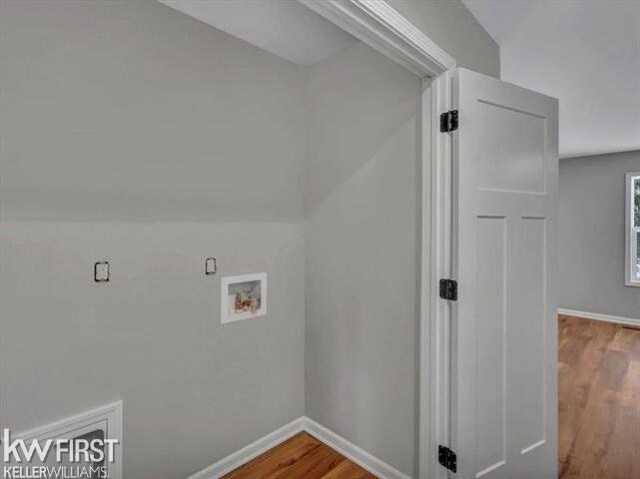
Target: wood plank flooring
point(599, 414)
point(599, 400)
point(302, 456)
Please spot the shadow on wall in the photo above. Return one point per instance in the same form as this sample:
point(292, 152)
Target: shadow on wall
point(361, 252)
point(358, 102)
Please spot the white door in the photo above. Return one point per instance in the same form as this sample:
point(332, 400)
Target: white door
point(503, 329)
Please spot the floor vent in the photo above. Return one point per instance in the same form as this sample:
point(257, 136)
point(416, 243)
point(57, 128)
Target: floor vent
point(101, 423)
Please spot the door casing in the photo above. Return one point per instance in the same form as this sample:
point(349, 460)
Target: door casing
point(385, 30)
point(381, 27)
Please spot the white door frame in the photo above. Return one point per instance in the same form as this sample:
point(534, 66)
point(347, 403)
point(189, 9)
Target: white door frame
point(381, 27)
point(437, 263)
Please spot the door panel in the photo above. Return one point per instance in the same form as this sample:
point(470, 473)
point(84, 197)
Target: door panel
point(491, 274)
point(503, 404)
point(528, 335)
point(517, 165)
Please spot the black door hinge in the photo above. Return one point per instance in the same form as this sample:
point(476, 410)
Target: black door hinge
point(449, 121)
point(449, 289)
point(448, 458)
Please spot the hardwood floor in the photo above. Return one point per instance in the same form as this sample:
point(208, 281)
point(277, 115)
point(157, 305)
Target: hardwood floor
point(599, 400)
point(301, 457)
point(599, 414)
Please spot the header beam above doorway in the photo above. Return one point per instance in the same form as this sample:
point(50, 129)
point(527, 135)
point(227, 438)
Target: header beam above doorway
point(384, 29)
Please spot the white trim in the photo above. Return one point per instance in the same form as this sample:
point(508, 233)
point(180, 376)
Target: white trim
point(381, 27)
point(367, 461)
point(349, 450)
point(437, 197)
point(426, 357)
point(110, 415)
point(630, 241)
point(251, 451)
point(600, 317)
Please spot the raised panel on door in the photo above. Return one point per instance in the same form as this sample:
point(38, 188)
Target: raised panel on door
point(503, 422)
point(528, 336)
point(491, 313)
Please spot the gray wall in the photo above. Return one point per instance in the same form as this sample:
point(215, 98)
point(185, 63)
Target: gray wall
point(133, 133)
point(591, 231)
point(362, 250)
point(120, 140)
point(454, 28)
point(362, 234)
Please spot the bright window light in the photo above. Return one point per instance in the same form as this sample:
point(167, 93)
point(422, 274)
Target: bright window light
point(633, 229)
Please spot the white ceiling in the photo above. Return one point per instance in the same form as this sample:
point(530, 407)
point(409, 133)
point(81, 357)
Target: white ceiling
point(283, 27)
point(586, 53)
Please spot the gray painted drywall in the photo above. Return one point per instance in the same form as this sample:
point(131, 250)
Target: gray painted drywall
point(591, 231)
point(361, 252)
point(134, 111)
point(193, 390)
point(283, 27)
point(133, 133)
point(454, 28)
point(362, 234)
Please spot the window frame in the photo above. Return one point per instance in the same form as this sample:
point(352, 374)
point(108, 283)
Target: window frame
point(631, 231)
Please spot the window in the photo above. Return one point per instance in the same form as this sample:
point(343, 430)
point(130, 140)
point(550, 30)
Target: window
point(632, 269)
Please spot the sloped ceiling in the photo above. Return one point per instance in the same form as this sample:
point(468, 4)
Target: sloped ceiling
point(283, 27)
point(586, 53)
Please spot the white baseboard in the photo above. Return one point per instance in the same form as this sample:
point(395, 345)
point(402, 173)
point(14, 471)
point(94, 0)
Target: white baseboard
point(253, 450)
point(349, 450)
point(352, 452)
point(600, 317)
